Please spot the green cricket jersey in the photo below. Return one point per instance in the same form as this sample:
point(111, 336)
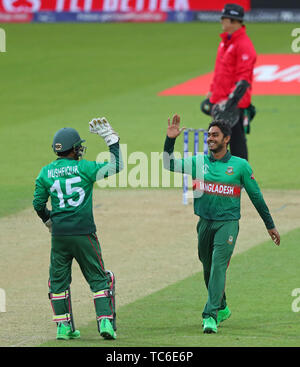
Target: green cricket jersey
point(69, 183)
point(217, 185)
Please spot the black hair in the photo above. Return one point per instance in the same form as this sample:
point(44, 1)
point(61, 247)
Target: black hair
point(65, 153)
point(222, 125)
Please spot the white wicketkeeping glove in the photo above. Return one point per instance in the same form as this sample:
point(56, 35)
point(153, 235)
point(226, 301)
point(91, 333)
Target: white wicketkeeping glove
point(48, 224)
point(101, 127)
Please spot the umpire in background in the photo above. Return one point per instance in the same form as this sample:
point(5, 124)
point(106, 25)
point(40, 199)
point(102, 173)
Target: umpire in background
point(229, 97)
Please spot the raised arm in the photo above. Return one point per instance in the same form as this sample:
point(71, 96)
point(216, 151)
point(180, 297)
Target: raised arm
point(189, 165)
point(101, 127)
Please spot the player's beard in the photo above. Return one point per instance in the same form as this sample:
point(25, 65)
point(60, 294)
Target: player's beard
point(217, 148)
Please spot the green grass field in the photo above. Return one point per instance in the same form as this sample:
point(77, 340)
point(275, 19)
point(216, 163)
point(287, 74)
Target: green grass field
point(56, 75)
point(259, 291)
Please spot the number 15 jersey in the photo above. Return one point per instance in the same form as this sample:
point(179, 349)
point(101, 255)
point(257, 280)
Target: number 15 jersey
point(69, 183)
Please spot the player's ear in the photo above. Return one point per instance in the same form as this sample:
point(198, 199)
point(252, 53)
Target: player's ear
point(227, 139)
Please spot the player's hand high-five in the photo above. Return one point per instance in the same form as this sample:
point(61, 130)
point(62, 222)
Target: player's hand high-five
point(174, 129)
point(102, 127)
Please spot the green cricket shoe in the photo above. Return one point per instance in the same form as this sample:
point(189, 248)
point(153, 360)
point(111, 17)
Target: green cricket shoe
point(64, 332)
point(106, 329)
point(209, 325)
point(223, 315)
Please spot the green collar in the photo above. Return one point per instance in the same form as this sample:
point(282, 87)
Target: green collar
point(225, 159)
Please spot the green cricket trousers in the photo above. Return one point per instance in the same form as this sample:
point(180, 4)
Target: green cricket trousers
point(216, 241)
point(87, 252)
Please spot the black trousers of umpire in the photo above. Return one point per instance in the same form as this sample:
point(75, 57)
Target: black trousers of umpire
point(238, 141)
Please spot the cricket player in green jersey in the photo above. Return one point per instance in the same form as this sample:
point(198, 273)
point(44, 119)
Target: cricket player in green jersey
point(218, 180)
point(68, 181)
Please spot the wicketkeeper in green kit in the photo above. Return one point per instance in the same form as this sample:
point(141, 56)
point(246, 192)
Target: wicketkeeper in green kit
point(218, 179)
point(69, 182)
